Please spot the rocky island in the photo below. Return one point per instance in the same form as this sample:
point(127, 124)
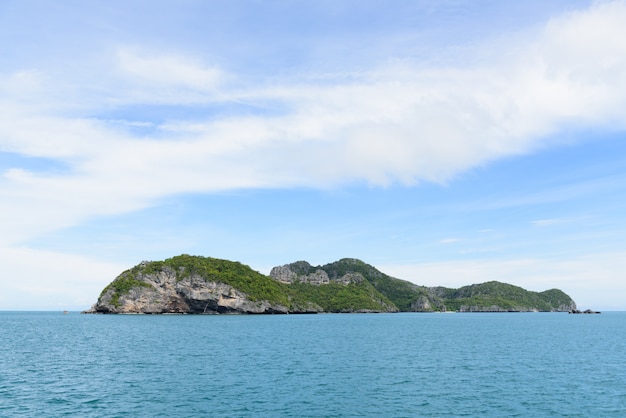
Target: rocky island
point(585, 312)
point(202, 285)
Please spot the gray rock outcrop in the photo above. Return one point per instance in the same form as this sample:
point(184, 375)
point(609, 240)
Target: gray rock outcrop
point(298, 272)
point(163, 292)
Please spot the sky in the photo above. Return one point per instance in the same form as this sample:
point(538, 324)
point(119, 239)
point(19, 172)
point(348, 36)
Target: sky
point(445, 142)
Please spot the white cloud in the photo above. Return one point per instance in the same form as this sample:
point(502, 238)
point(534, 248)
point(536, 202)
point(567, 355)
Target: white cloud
point(449, 240)
point(593, 281)
point(549, 222)
point(164, 70)
point(35, 279)
point(395, 124)
point(22, 83)
point(164, 78)
point(398, 123)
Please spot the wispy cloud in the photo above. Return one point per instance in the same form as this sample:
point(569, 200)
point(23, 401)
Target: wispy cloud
point(393, 124)
point(164, 78)
point(449, 240)
point(549, 222)
point(398, 122)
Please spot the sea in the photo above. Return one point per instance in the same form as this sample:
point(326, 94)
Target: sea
point(329, 365)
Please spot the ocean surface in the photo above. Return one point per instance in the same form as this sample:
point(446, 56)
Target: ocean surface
point(331, 365)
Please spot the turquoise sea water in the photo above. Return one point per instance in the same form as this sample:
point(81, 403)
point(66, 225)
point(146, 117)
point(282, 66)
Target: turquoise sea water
point(334, 365)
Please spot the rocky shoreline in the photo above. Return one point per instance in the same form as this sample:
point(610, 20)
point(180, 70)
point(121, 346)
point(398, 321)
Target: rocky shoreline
point(585, 312)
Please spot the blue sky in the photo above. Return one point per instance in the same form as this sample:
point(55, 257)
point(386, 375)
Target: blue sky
point(444, 142)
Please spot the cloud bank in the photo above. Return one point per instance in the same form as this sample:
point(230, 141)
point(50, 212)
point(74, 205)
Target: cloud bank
point(398, 123)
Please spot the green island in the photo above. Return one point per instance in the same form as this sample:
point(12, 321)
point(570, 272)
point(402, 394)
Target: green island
point(188, 284)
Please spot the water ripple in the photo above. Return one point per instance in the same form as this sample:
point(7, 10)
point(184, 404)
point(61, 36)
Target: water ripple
point(397, 365)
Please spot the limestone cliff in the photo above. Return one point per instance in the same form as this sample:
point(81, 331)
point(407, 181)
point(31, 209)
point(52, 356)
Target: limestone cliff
point(303, 272)
point(346, 292)
point(165, 291)
point(184, 285)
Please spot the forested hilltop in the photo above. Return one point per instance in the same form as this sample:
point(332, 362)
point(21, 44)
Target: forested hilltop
point(202, 285)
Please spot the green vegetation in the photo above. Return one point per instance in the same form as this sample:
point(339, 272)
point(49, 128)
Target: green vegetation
point(555, 297)
point(401, 293)
point(254, 284)
point(122, 286)
point(504, 296)
point(407, 296)
point(336, 297)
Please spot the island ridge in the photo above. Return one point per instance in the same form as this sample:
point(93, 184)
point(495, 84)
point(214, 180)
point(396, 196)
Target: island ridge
point(188, 284)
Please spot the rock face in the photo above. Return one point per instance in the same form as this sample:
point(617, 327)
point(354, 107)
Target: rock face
point(285, 274)
point(164, 292)
point(585, 312)
point(301, 272)
point(328, 291)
